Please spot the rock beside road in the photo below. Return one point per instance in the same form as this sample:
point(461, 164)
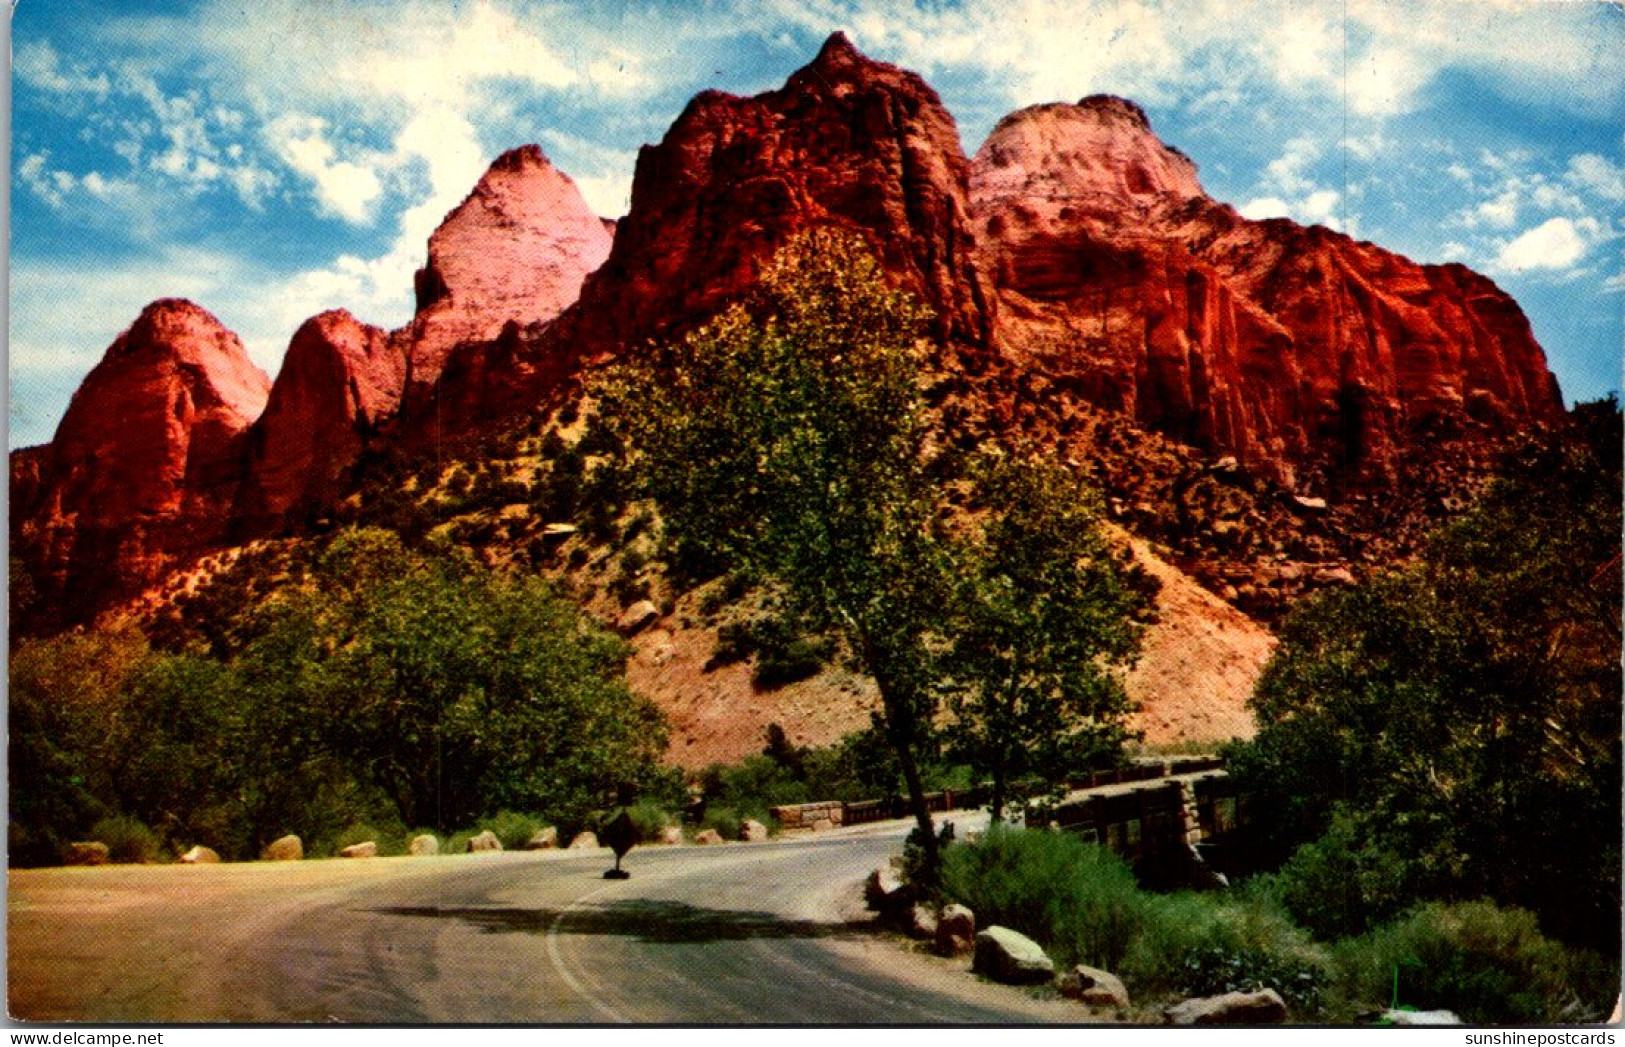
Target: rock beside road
point(1092, 986)
point(707, 836)
point(424, 846)
point(287, 849)
point(544, 839)
point(369, 849)
point(956, 930)
point(485, 841)
point(1264, 1007)
point(752, 831)
point(584, 841)
point(1011, 957)
point(200, 855)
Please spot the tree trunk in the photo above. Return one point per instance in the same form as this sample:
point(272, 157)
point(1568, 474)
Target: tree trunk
point(995, 806)
point(916, 802)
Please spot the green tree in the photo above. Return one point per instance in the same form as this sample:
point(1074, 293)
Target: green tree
point(788, 438)
point(451, 690)
point(1464, 712)
point(1046, 616)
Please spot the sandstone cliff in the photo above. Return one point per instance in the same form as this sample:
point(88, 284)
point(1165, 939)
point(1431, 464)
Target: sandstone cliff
point(1307, 354)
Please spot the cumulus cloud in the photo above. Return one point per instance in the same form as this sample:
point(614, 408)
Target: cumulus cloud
point(342, 187)
point(1554, 244)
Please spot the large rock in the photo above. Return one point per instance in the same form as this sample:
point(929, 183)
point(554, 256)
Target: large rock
point(752, 831)
point(516, 250)
point(1011, 957)
point(670, 835)
point(956, 930)
point(1092, 986)
point(369, 849)
point(1264, 1007)
point(286, 849)
point(86, 852)
point(885, 890)
point(1405, 1018)
point(543, 839)
point(200, 855)
point(584, 841)
point(638, 617)
point(145, 465)
point(425, 845)
point(340, 380)
point(1297, 350)
point(922, 923)
point(706, 836)
point(484, 841)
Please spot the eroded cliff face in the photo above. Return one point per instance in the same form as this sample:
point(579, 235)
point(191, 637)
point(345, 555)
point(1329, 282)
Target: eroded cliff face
point(145, 464)
point(1076, 254)
point(847, 142)
point(517, 250)
point(339, 381)
point(1310, 356)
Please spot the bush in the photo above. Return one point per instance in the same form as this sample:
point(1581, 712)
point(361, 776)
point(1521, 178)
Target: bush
point(1335, 887)
point(1077, 899)
point(1082, 904)
point(1487, 964)
point(127, 839)
point(514, 830)
point(650, 818)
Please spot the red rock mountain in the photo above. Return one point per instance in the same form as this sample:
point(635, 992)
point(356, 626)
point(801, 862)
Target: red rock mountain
point(1297, 349)
point(1075, 246)
point(146, 463)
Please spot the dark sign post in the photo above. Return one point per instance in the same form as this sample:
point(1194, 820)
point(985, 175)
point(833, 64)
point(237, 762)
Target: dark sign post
point(621, 835)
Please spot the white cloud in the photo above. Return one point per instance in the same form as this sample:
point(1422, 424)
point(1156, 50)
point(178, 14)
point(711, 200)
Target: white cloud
point(1554, 244)
point(1597, 175)
point(1265, 207)
point(1501, 212)
point(38, 65)
point(343, 188)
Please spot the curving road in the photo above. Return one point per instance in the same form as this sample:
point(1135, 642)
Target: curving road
point(743, 933)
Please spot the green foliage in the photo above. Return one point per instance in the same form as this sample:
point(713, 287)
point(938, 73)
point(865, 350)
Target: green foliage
point(1336, 886)
point(787, 438)
point(1047, 616)
point(127, 839)
point(650, 817)
point(514, 830)
point(379, 687)
point(1081, 902)
point(450, 690)
point(784, 653)
point(1074, 898)
point(1489, 965)
point(1463, 714)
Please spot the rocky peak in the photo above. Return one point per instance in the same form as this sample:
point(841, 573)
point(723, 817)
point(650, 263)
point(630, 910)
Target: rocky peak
point(847, 142)
point(339, 380)
point(1098, 156)
point(147, 457)
point(518, 248)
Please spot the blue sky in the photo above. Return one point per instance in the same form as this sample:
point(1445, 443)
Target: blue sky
point(273, 159)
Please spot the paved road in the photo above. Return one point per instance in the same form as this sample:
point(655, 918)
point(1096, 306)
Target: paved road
point(743, 933)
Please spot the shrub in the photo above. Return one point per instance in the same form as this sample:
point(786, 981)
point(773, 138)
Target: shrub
point(1335, 887)
point(1075, 898)
point(650, 818)
point(514, 830)
point(1487, 964)
point(127, 839)
point(725, 820)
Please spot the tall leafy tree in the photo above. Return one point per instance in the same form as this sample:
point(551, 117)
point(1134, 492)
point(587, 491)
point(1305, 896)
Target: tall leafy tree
point(1046, 616)
point(452, 690)
point(1463, 713)
point(787, 438)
